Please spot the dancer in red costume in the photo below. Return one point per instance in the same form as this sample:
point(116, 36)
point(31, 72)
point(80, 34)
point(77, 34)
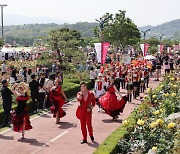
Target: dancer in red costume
point(112, 104)
point(21, 118)
point(87, 103)
point(58, 98)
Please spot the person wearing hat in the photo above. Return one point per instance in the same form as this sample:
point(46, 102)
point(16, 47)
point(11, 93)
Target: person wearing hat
point(7, 101)
point(99, 89)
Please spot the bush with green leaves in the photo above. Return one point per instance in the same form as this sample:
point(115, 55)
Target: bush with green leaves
point(151, 129)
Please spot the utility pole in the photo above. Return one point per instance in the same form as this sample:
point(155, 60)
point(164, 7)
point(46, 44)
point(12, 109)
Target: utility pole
point(2, 6)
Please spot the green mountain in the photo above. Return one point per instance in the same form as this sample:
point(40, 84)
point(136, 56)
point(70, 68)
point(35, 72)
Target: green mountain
point(26, 34)
point(170, 29)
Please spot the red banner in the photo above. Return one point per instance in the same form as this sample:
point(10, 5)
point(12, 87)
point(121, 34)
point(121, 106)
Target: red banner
point(146, 47)
point(105, 46)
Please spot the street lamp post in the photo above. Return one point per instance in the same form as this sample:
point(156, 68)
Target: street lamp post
point(160, 38)
point(170, 38)
point(2, 6)
point(144, 32)
point(101, 25)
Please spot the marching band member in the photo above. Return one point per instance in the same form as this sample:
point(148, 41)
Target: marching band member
point(129, 85)
point(123, 75)
point(100, 85)
point(135, 83)
point(142, 80)
point(117, 78)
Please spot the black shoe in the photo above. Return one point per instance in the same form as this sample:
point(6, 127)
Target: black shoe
point(92, 138)
point(84, 141)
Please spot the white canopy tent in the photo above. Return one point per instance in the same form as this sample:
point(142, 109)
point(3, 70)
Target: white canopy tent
point(8, 50)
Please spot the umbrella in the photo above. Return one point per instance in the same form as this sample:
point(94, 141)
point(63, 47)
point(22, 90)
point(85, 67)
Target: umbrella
point(148, 57)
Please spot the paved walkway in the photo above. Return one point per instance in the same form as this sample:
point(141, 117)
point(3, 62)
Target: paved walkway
point(46, 137)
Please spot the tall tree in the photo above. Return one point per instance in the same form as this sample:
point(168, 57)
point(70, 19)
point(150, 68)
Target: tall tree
point(64, 41)
point(119, 30)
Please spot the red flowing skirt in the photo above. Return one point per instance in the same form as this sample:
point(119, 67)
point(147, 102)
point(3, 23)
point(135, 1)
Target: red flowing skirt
point(18, 120)
point(111, 104)
point(58, 102)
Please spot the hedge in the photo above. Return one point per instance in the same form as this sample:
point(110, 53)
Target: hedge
point(70, 89)
point(110, 145)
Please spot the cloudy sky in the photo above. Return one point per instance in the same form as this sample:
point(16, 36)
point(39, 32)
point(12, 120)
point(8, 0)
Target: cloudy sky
point(142, 12)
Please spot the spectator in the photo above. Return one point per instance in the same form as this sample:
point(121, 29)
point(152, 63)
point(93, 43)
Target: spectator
point(34, 88)
point(7, 101)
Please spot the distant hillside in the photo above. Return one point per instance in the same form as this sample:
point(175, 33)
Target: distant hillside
point(170, 29)
point(25, 34)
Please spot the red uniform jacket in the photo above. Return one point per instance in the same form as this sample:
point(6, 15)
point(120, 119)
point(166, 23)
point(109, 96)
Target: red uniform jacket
point(89, 102)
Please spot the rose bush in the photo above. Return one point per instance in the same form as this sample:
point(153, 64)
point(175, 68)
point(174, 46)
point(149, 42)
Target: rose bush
point(152, 130)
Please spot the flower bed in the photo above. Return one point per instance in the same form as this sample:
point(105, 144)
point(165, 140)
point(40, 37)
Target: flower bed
point(148, 127)
point(152, 130)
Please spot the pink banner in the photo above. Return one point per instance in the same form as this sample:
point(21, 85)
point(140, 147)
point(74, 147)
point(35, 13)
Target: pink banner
point(161, 48)
point(169, 50)
point(146, 47)
point(105, 46)
point(176, 47)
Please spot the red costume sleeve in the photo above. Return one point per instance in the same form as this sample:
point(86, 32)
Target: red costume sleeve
point(93, 100)
point(78, 95)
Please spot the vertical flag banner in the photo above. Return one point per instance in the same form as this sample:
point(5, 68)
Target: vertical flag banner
point(142, 48)
point(105, 46)
point(146, 47)
point(98, 51)
point(160, 48)
point(169, 50)
point(176, 47)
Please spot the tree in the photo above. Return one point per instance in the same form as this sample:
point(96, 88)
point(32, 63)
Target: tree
point(64, 40)
point(153, 41)
point(1, 43)
point(153, 49)
point(118, 30)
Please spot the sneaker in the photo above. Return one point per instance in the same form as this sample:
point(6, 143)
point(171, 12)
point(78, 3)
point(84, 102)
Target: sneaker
point(84, 141)
point(92, 138)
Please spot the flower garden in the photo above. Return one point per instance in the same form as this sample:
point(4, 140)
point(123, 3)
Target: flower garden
point(152, 127)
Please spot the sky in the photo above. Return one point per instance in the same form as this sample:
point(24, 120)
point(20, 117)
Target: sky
point(142, 12)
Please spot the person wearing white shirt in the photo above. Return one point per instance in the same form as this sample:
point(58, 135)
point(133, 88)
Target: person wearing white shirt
point(92, 77)
point(3, 68)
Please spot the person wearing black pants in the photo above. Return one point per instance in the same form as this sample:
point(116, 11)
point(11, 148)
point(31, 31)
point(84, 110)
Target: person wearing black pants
point(42, 91)
point(34, 88)
point(92, 77)
point(7, 101)
point(123, 75)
